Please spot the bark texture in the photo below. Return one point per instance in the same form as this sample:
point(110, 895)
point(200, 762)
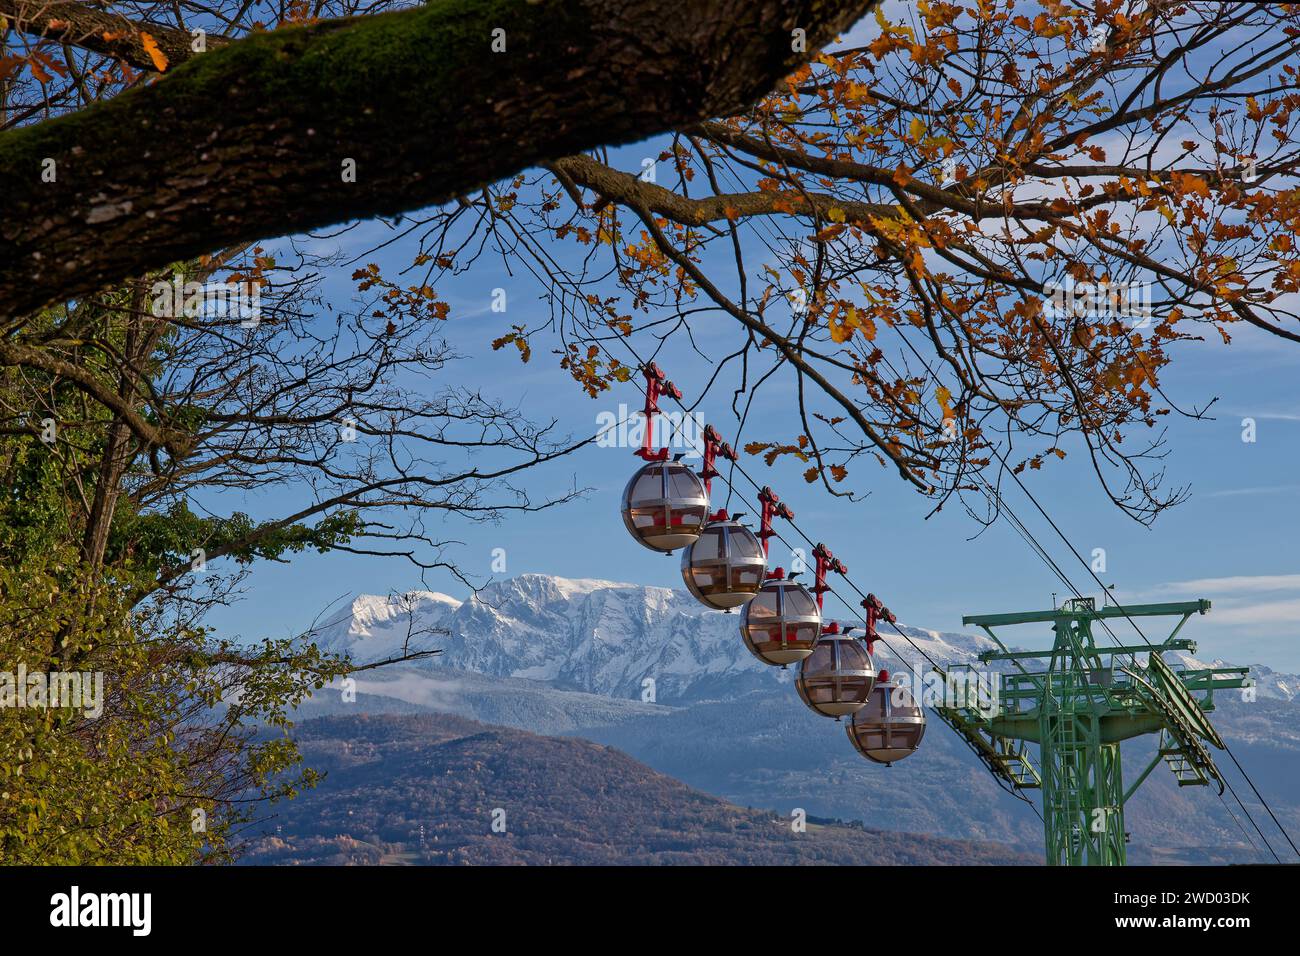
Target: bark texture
point(250, 141)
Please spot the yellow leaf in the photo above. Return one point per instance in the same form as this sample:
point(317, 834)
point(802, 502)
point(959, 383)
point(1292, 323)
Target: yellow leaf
point(944, 398)
point(917, 129)
point(841, 332)
point(151, 47)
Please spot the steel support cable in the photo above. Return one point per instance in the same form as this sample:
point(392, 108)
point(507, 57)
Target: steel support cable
point(1106, 627)
point(901, 659)
point(1043, 554)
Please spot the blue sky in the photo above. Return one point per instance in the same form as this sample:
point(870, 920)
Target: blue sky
point(1234, 541)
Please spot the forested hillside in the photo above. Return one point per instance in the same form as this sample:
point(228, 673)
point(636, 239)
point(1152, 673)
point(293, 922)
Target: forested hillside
point(558, 801)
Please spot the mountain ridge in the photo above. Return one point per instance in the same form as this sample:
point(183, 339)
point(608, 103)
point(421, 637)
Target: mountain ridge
point(607, 637)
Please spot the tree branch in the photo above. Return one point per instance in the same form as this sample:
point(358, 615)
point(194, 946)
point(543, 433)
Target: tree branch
point(252, 140)
point(629, 190)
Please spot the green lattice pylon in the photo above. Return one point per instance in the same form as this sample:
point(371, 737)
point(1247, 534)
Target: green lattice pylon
point(1077, 702)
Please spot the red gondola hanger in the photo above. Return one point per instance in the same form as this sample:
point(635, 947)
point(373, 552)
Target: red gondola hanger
point(825, 562)
point(655, 385)
point(714, 447)
point(875, 612)
point(771, 506)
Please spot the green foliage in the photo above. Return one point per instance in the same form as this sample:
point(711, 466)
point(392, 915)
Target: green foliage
point(182, 733)
point(190, 734)
point(145, 544)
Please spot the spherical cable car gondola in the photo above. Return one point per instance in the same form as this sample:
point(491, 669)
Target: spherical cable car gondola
point(665, 505)
point(782, 623)
point(890, 726)
point(836, 679)
point(725, 566)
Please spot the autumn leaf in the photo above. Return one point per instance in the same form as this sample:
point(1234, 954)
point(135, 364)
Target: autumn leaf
point(41, 76)
point(151, 47)
point(841, 332)
point(944, 397)
point(1191, 183)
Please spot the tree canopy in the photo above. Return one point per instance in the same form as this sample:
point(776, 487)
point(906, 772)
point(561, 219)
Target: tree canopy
point(972, 239)
point(161, 370)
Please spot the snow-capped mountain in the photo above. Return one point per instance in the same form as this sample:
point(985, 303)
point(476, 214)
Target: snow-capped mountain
point(601, 637)
point(607, 638)
point(563, 656)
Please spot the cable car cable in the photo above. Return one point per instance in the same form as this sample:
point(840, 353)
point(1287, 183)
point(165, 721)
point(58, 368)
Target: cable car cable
point(1035, 545)
point(901, 659)
point(1043, 553)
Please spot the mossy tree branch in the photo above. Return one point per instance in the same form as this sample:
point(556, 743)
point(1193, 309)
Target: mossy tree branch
point(251, 140)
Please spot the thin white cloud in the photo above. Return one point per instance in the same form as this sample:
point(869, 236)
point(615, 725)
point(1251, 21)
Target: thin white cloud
point(1267, 416)
point(1240, 584)
point(1257, 490)
point(1270, 613)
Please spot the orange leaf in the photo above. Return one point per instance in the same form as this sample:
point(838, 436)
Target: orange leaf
point(151, 47)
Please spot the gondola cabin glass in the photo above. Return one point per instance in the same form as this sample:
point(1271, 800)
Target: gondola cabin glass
point(725, 566)
point(782, 623)
point(890, 727)
point(836, 678)
point(665, 506)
